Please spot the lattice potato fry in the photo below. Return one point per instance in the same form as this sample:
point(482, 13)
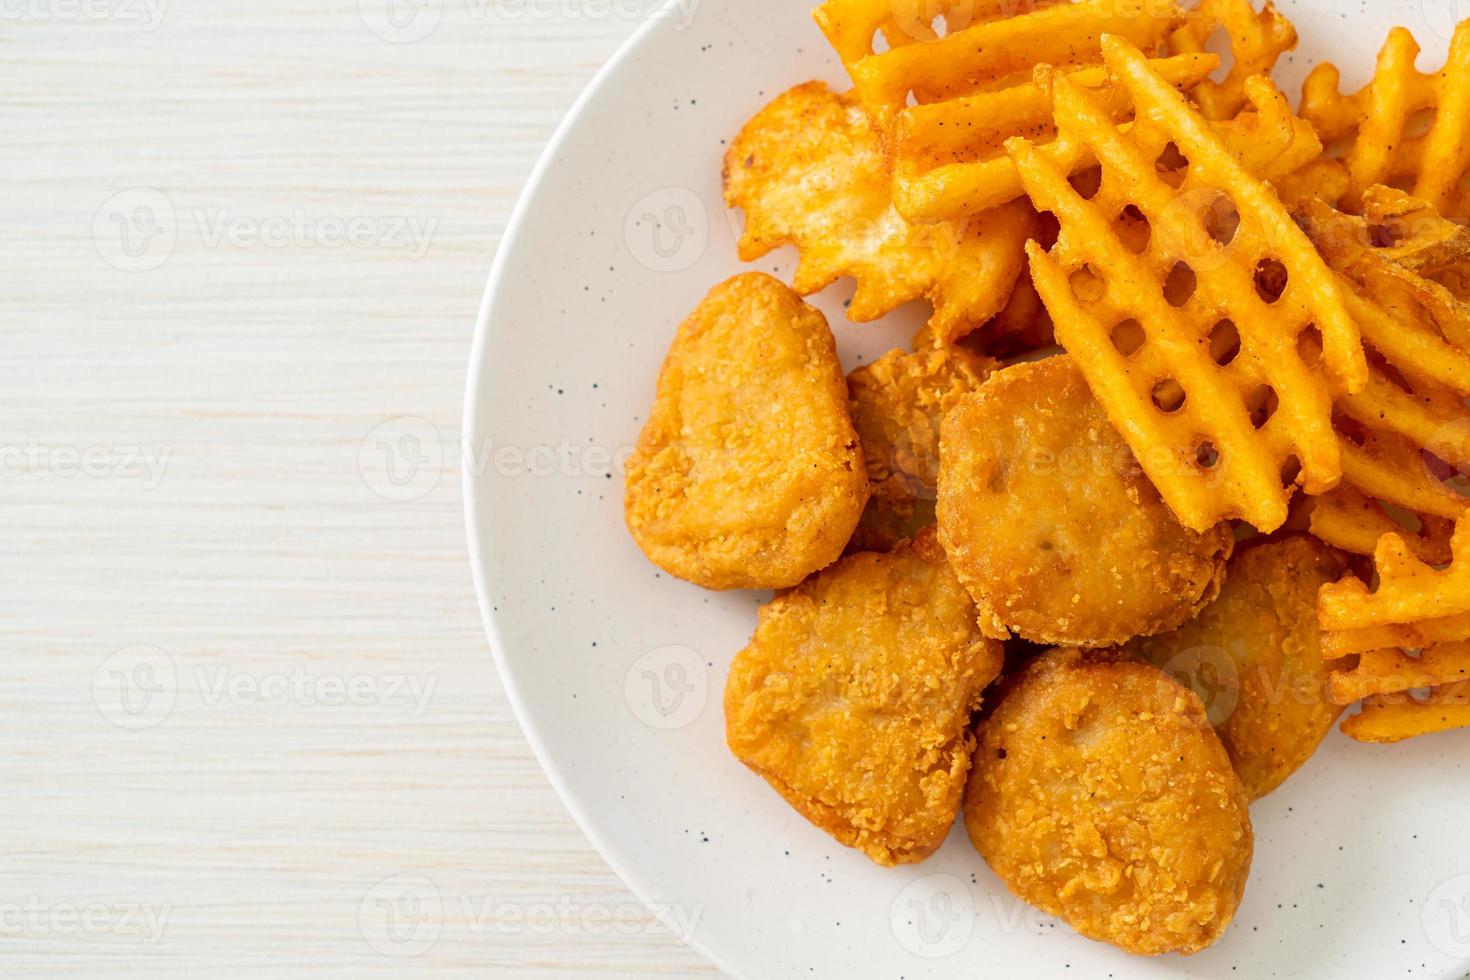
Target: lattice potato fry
point(852, 26)
point(1410, 593)
point(1213, 438)
point(1395, 717)
point(808, 171)
point(991, 52)
point(1257, 40)
point(947, 156)
point(1352, 521)
point(1382, 121)
point(1390, 671)
point(1412, 238)
point(1411, 404)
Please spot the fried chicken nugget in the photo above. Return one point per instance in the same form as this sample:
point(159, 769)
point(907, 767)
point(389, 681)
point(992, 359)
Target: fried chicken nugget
point(1053, 526)
point(897, 404)
point(1101, 795)
point(1254, 657)
point(748, 474)
point(853, 699)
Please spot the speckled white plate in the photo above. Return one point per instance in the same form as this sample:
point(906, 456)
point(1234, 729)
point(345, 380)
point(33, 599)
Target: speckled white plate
point(1362, 867)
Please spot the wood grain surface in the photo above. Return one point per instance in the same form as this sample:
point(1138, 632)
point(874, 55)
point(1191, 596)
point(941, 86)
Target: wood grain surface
point(249, 723)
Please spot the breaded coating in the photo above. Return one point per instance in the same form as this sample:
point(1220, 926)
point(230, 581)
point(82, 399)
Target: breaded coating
point(1051, 524)
point(748, 474)
point(1101, 795)
point(897, 404)
point(854, 697)
point(1254, 657)
point(809, 170)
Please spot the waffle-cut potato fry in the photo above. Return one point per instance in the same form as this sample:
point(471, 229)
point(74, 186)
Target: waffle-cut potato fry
point(1391, 671)
point(1323, 179)
point(747, 474)
point(1409, 592)
point(1418, 636)
point(853, 699)
point(1256, 39)
point(949, 157)
point(1350, 520)
point(987, 53)
point(897, 403)
point(808, 171)
point(944, 166)
point(1217, 362)
point(1410, 238)
point(1395, 717)
point(852, 25)
point(1414, 401)
point(1384, 123)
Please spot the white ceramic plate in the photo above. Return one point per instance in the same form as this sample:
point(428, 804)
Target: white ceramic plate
point(616, 671)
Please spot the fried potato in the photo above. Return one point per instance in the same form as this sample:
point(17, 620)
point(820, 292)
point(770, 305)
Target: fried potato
point(808, 170)
point(1100, 794)
point(748, 473)
point(1253, 339)
point(1254, 657)
point(853, 699)
point(897, 404)
point(1052, 525)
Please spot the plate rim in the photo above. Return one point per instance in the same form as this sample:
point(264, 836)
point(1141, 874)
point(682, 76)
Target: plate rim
point(474, 382)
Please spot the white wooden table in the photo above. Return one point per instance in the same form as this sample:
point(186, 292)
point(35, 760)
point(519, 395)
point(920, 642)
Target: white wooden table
point(249, 724)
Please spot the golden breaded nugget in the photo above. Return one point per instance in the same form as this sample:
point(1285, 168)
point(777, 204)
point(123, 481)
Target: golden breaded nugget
point(808, 170)
point(1101, 795)
point(1254, 658)
point(748, 474)
point(853, 699)
point(897, 404)
point(1051, 524)
point(1226, 397)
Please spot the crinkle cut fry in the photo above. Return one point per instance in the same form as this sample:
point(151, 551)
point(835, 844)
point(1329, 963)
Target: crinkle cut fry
point(1378, 117)
point(971, 59)
point(1257, 40)
point(1247, 481)
point(1409, 591)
